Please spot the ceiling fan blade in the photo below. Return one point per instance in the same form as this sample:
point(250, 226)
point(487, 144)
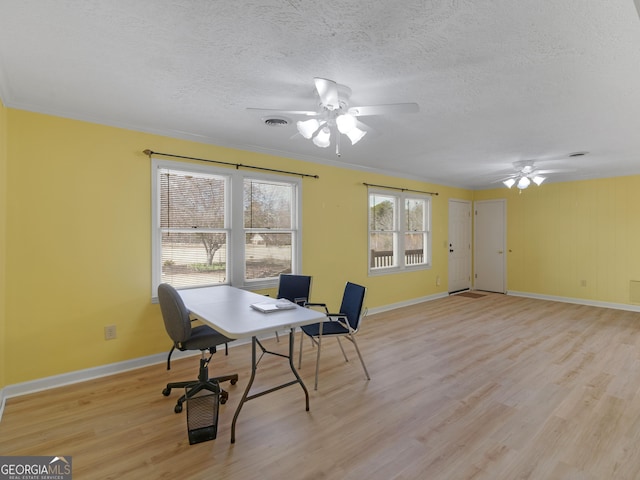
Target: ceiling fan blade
point(328, 92)
point(555, 170)
point(275, 111)
point(390, 108)
point(363, 126)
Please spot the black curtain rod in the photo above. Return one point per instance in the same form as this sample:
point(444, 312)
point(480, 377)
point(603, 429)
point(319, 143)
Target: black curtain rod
point(398, 188)
point(237, 165)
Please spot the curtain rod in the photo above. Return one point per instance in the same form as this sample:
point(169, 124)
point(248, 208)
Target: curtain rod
point(398, 188)
point(237, 165)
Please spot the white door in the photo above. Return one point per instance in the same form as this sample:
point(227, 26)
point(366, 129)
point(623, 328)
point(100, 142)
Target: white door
point(490, 241)
point(459, 245)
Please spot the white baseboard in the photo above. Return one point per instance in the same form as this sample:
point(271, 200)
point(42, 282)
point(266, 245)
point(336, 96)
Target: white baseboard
point(577, 301)
point(70, 378)
point(413, 301)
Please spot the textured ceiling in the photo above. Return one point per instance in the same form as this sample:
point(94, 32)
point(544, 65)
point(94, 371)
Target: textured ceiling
point(497, 81)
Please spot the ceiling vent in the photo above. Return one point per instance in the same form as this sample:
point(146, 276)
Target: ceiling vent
point(276, 121)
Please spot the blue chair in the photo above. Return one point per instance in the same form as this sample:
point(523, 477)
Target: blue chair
point(295, 288)
point(345, 324)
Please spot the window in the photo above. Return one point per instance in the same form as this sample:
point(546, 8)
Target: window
point(399, 231)
point(193, 229)
point(269, 228)
point(215, 226)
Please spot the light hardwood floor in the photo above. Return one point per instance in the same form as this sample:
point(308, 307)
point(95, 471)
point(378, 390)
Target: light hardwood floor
point(496, 387)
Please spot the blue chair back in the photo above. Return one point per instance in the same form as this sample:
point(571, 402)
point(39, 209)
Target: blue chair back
point(352, 302)
point(292, 287)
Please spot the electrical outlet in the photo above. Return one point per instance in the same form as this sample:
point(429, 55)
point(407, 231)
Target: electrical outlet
point(109, 332)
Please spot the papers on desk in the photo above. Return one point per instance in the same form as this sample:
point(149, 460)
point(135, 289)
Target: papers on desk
point(268, 307)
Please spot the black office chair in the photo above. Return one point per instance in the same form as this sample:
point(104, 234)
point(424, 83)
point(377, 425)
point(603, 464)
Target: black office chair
point(343, 324)
point(177, 322)
point(295, 288)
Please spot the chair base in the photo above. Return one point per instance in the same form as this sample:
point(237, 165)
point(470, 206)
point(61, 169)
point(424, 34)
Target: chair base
point(202, 383)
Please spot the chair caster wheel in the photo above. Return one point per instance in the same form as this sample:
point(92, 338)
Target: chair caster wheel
point(166, 392)
point(178, 408)
point(223, 398)
point(233, 382)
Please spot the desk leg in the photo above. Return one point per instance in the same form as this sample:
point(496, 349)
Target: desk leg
point(254, 364)
point(292, 334)
point(246, 391)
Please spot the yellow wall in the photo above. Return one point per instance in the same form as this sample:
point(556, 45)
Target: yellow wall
point(3, 242)
point(575, 239)
point(76, 248)
point(79, 247)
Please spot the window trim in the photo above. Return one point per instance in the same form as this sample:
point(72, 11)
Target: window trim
point(400, 230)
point(235, 218)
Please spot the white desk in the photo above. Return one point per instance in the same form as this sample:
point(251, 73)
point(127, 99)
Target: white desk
point(228, 310)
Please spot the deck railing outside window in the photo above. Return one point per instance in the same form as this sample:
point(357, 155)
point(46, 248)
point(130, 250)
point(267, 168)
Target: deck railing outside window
point(384, 258)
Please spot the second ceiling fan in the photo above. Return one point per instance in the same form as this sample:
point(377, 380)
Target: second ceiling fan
point(334, 115)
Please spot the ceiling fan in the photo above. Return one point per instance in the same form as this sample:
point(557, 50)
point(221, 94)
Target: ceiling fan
point(334, 116)
point(526, 173)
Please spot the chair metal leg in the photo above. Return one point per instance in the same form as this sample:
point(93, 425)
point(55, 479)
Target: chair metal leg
point(343, 352)
point(319, 341)
point(353, 339)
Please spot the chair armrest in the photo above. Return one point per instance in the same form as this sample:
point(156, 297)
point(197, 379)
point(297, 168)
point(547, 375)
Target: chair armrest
point(341, 318)
point(323, 305)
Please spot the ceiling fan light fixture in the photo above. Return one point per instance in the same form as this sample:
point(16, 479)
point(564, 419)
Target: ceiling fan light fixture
point(355, 135)
point(510, 182)
point(323, 138)
point(308, 127)
point(345, 123)
point(523, 183)
point(538, 179)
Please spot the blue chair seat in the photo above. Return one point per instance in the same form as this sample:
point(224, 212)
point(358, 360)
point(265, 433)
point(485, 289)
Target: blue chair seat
point(328, 328)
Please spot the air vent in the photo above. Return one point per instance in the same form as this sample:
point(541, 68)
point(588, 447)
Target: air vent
point(276, 121)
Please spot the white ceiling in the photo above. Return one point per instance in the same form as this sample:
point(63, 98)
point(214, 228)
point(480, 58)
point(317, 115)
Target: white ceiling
point(497, 81)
